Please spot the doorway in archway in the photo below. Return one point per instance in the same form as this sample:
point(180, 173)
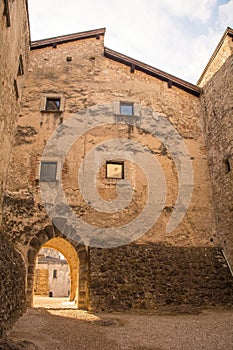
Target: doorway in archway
point(56, 275)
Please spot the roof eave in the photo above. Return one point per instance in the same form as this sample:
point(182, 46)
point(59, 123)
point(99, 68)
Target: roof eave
point(157, 73)
point(38, 44)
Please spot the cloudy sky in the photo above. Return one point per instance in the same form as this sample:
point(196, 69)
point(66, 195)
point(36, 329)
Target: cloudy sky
point(177, 36)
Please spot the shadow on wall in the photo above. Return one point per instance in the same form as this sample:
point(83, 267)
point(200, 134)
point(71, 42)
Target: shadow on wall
point(12, 284)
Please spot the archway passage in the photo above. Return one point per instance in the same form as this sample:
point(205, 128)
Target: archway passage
point(43, 285)
point(71, 256)
point(76, 256)
point(52, 280)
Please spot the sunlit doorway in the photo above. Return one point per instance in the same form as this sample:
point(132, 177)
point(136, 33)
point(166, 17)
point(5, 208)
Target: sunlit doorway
point(56, 275)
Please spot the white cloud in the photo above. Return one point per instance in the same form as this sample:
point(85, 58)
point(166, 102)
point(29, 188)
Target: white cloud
point(192, 9)
point(177, 36)
point(226, 15)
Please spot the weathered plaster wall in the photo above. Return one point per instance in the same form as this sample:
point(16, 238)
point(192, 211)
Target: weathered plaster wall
point(91, 79)
point(14, 42)
point(41, 281)
point(45, 282)
point(217, 106)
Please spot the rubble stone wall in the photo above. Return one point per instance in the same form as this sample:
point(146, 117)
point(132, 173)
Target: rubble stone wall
point(12, 285)
point(217, 106)
point(154, 276)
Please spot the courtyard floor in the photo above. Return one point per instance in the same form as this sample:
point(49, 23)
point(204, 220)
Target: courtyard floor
point(58, 326)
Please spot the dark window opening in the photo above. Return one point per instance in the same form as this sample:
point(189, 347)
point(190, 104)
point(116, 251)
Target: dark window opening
point(16, 89)
point(52, 104)
point(20, 67)
point(6, 13)
point(227, 166)
point(126, 108)
point(54, 273)
point(48, 171)
point(50, 294)
point(115, 170)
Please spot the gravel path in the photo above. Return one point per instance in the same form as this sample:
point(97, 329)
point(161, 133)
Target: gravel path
point(69, 329)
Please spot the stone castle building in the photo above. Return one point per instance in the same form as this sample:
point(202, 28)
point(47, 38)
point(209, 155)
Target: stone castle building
point(79, 122)
point(51, 274)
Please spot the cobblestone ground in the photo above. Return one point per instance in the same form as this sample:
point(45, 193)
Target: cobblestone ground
point(72, 329)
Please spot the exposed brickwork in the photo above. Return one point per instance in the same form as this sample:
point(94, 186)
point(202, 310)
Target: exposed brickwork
point(147, 277)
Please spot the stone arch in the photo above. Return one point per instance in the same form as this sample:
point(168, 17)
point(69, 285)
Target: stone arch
point(64, 247)
point(76, 255)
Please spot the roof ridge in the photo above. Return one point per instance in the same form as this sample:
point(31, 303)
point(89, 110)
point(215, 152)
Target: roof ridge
point(66, 38)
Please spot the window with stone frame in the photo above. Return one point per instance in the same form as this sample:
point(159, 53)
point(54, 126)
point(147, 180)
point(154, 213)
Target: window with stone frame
point(48, 171)
point(114, 170)
point(126, 108)
point(52, 103)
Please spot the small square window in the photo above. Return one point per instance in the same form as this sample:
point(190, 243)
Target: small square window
point(115, 170)
point(52, 104)
point(48, 171)
point(126, 108)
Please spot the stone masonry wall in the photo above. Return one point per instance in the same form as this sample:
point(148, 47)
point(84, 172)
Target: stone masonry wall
point(217, 104)
point(14, 42)
point(154, 276)
point(216, 63)
point(12, 285)
point(14, 38)
point(90, 80)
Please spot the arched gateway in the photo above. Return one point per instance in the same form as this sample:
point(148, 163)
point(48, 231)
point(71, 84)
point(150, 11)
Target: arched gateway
point(76, 256)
